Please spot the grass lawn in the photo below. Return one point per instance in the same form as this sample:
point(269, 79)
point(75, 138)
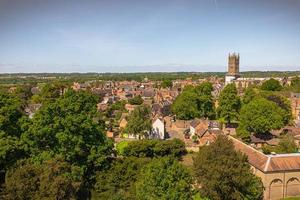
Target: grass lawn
point(292, 198)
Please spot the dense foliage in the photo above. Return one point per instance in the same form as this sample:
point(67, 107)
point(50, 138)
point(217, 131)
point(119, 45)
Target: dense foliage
point(229, 104)
point(164, 179)
point(166, 84)
point(259, 117)
point(271, 85)
point(224, 174)
point(295, 84)
point(139, 122)
point(137, 100)
point(118, 181)
point(286, 145)
point(53, 179)
point(12, 119)
point(155, 148)
point(194, 102)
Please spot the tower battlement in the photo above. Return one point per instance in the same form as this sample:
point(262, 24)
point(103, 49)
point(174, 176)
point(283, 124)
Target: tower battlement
point(233, 64)
point(233, 68)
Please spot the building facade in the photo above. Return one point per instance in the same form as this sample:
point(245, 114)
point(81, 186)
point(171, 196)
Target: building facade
point(233, 68)
point(280, 173)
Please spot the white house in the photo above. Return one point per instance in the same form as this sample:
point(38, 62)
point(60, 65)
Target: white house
point(158, 129)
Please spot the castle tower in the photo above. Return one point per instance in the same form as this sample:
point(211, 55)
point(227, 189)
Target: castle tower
point(233, 68)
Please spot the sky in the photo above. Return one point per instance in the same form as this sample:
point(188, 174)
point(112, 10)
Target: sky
point(148, 35)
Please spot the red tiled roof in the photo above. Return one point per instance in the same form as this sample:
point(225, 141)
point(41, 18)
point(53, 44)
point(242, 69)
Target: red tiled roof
point(268, 163)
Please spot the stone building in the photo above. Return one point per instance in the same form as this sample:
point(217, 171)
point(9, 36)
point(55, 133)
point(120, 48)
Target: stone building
point(280, 174)
point(295, 105)
point(233, 68)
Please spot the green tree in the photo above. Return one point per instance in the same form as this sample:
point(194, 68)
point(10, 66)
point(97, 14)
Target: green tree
point(166, 83)
point(224, 174)
point(280, 100)
point(259, 117)
point(117, 182)
point(195, 102)
point(10, 114)
point(229, 103)
point(250, 93)
point(164, 179)
point(205, 101)
point(175, 148)
point(287, 145)
point(137, 100)
point(11, 122)
point(49, 92)
point(295, 84)
point(155, 148)
point(139, 122)
point(53, 179)
point(271, 85)
point(185, 106)
point(283, 103)
point(66, 127)
point(24, 92)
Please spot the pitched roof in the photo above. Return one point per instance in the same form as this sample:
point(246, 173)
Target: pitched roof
point(268, 163)
point(195, 123)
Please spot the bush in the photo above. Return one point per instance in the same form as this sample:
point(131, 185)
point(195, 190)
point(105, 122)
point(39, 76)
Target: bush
point(155, 148)
point(121, 146)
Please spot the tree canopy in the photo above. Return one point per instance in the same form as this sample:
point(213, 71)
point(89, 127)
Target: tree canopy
point(137, 100)
point(66, 127)
point(295, 84)
point(285, 145)
point(224, 174)
point(53, 179)
point(12, 119)
point(167, 83)
point(155, 148)
point(164, 179)
point(259, 117)
point(271, 85)
point(229, 103)
point(118, 181)
point(139, 122)
point(195, 102)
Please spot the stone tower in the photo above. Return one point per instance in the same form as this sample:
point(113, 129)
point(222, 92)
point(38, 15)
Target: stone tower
point(233, 68)
point(233, 64)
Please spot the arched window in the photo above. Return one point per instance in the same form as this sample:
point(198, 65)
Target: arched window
point(293, 187)
point(276, 189)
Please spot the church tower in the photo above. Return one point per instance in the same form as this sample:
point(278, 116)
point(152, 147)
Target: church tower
point(233, 68)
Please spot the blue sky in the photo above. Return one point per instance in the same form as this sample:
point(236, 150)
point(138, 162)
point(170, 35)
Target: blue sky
point(144, 35)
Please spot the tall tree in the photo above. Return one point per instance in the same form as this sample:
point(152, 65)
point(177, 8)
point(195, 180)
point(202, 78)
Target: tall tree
point(295, 84)
point(224, 174)
point(137, 100)
point(271, 85)
point(164, 179)
point(53, 179)
point(185, 105)
point(166, 83)
point(117, 182)
point(11, 122)
point(229, 103)
point(260, 116)
point(283, 103)
point(250, 93)
point(195, 102)
point(139, 122)
point(205, 101)
point(66, 127)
